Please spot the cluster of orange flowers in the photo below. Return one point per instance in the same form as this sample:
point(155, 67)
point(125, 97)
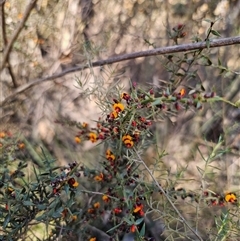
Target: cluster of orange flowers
point(125, 126)
point(216, 199)
point(211, 198)
point(108, 175)
point(118, 208)
point(91, 136)
point(101, 132)
point(94, 208)
point(121, 115)
point(110, 127)
point(111, 168)
point(6, 136)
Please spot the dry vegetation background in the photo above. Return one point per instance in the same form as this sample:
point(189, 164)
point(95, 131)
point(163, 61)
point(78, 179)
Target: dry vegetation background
point(62, 34)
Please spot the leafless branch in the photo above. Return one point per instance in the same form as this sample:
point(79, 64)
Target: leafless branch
point(158, 51)
point(3, 22)
point(4, 36)
point(15, 35)
point(10, 69)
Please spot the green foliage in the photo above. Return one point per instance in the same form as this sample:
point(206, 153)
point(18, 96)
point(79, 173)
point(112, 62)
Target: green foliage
point(121, 199)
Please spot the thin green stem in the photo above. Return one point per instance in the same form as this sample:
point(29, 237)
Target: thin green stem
point(182, 219)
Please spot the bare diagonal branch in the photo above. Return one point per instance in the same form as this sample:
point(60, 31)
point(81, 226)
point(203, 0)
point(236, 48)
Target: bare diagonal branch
point(158, 51)
point(15, 35)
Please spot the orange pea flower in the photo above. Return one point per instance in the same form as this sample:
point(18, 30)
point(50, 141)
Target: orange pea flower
point(182, 92)
point(74, 217)
point(96, 205)
point(77, 139)
point(105, 198)
point(92, 137)
point(2, 134)
point(118, 107)
point(84, 124)
point(126, 137)
point(231, 197)
point(113, 115)
point(110, 156)
point(72, 182)
point(21, 145)
point(99, 178)
point(91, 210)
point(127, 140)
point(92, 239)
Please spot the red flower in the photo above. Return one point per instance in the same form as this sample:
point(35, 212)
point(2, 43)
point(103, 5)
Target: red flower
point(133, 228)
point(125, 96)
point(117, 210)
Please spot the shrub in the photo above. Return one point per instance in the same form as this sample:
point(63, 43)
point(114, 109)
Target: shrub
point(123, 199)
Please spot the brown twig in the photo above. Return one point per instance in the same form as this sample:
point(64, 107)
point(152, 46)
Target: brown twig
point(15, 35)
point(3, 22)
point(4, 36)
point(158, 51)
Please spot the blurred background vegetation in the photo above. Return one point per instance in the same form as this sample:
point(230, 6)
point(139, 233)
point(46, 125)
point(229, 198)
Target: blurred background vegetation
point(62, 34)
